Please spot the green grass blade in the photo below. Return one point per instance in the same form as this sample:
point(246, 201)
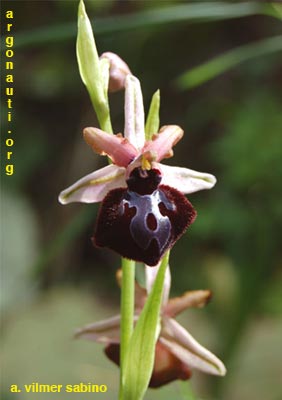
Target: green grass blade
point(218, 65)
point(195, 12)
point(274, 10)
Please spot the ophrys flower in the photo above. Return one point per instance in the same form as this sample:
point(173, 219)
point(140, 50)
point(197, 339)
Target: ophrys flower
point(144, 210)
point(177, 353)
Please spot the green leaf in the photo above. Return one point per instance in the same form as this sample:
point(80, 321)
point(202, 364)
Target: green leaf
point(153, 119)
point(139, 358)
point(218, 65)
point(90, 68)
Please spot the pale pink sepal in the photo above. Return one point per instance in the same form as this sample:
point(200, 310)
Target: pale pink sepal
point(162, 142)
point(185, 180)
point(120, 151)
point(188, 350)
point(94, 187)
point(105, 331)
point(134, 118)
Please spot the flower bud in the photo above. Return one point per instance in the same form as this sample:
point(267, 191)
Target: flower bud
point(118, 71)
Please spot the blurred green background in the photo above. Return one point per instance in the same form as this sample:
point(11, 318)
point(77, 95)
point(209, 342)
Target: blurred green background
point(54, 281)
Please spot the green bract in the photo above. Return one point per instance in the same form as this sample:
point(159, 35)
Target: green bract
point(153, 119)
point(92, 74)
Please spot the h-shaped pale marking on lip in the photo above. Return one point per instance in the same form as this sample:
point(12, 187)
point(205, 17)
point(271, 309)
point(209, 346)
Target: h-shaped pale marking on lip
point(145, 205)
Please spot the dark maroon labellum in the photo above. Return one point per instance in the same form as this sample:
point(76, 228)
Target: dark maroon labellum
point(145, 220)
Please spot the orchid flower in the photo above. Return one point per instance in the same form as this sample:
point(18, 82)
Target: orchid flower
point(144, 210)
point(176, 352)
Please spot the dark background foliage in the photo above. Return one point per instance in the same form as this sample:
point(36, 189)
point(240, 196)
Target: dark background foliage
point(54, 280)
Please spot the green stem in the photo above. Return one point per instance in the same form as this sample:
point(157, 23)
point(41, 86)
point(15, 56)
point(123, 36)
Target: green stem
point(127, 311)
point(139, 357)
point(128, 266)
point(102, 110)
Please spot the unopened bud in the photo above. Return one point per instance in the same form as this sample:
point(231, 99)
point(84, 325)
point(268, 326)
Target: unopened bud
point(118, 71)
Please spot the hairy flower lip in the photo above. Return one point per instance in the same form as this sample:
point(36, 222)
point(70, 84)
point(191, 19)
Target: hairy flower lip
point(145, 220)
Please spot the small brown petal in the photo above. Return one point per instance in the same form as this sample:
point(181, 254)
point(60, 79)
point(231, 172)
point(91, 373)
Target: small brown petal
point(193, 298)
